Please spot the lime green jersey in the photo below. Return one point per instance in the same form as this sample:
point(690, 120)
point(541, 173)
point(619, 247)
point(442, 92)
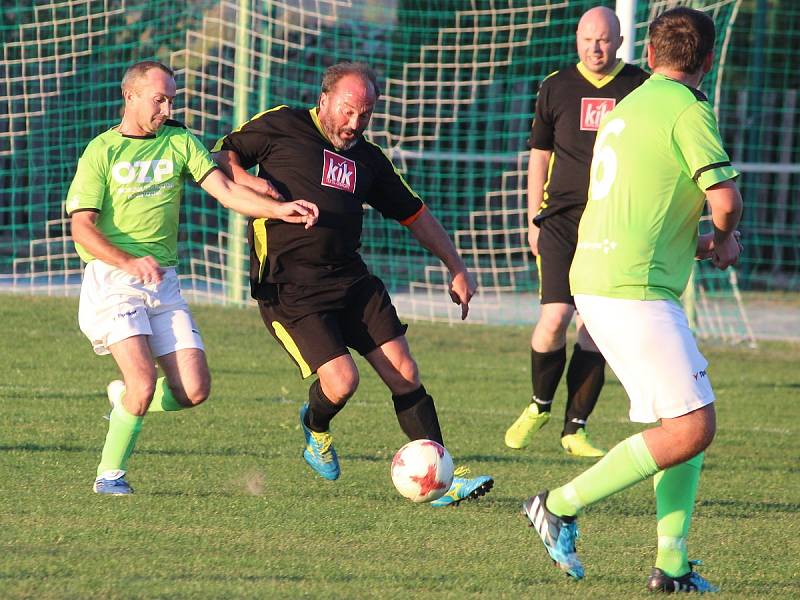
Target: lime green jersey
point(655, 155)
point(134, 183)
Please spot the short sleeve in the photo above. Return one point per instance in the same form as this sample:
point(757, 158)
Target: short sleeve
point(198, 160)
point(542, 135)
point(391, 195)
point(252, 141)
point(697, 140)
point(88, 188)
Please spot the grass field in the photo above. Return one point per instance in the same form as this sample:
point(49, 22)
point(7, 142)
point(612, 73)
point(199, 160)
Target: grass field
point(226, 508)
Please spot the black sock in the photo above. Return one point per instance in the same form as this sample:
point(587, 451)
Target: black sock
point(546, 371)
point(320, 409)
point(585, 378)
point(417, 416)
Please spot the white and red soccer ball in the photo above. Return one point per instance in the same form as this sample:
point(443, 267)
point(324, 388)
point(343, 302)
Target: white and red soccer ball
point(422, 470)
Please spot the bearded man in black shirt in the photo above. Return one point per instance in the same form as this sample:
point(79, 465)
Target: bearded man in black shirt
point(314, 291)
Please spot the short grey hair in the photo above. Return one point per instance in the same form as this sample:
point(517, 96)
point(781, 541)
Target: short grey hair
point(140, 69)
point(335, 72)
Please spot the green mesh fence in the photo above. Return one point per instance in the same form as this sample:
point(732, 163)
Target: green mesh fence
point(459, 83)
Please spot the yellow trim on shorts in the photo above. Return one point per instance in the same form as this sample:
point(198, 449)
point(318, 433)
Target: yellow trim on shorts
point(539, 270)
point(291, 348)
point(545, 194)
point(260, 245)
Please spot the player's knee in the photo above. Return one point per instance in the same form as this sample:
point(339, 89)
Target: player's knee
point(695, 434)
point(198, 392)
point(409, 373)
point(585, 341)
point(554, 323)
point(340, 388)
point(706, 436)
point(138, 395)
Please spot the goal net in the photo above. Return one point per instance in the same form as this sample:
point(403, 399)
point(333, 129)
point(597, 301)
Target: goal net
point(459, 81)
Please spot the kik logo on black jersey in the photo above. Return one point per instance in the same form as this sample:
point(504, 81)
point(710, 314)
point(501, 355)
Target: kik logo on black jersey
point(593, 110)
point(338, 172)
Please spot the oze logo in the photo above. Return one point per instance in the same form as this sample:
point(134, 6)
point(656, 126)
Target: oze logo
point(142, 171)
point(338, 172)
point(594, 109)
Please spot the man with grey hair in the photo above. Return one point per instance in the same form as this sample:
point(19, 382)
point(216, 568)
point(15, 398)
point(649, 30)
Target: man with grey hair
point(568, 111)
point(315, 294)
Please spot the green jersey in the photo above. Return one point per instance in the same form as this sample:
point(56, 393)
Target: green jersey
point(655, 155)
point(135, 184)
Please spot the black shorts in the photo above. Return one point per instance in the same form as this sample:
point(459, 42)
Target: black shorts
point(558, 238)
point(315, 324)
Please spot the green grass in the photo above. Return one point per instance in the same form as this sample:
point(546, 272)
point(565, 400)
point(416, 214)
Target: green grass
point(226, 508)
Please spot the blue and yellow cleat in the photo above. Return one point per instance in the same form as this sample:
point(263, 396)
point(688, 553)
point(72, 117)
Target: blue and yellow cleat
point(690, 582)
point(319, 452)
point(558, 534)
point(464, 488)
point(112, 483)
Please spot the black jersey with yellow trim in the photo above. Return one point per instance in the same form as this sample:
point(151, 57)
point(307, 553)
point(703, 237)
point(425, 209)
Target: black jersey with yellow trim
point(569, 107)
point(293, 153)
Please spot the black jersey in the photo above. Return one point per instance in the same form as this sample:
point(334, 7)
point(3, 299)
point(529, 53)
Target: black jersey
point(569, 107)
point(292, 152)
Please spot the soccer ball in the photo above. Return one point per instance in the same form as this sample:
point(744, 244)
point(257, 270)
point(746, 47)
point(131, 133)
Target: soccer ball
point(422, 470)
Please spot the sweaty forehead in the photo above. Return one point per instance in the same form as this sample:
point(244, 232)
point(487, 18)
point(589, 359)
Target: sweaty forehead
point(355, 91)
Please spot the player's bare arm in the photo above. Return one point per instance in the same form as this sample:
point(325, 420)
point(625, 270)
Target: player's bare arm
point(246, 201)
point(538, 163)
point(86, 233)
point(229, 163)
point(725, 203)
point(430, 233)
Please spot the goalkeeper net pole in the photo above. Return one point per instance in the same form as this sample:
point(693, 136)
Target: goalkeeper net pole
point(626, 12)
point(236, 222)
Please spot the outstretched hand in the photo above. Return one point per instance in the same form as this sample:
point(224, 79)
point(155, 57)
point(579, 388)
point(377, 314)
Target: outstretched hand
point(462, 288)
point(299, 211)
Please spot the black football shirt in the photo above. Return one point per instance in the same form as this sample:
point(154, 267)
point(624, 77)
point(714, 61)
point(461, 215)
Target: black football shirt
point(569, 107)
point(292, 152)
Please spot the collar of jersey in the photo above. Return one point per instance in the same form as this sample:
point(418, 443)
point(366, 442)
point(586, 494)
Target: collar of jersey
point(149, 136)
point(665, 78)
point(314, 112)
point(608, 78)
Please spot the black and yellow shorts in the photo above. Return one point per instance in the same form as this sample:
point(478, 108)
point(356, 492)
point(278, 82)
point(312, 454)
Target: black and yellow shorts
point(558, 238)
point(316, 324)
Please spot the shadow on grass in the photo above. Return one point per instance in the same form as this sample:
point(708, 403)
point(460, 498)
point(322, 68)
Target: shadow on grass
point(27, 447)
point(774, 386)
point(522, 458)
point(30, 447)
point(745, 508)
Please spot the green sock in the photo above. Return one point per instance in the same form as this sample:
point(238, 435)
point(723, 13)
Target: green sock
point(163, 400)
point(123, 429)
point(676, 490)
point(625, 464)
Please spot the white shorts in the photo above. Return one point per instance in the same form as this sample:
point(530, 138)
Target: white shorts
point(115, 306)
point(652, 351)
